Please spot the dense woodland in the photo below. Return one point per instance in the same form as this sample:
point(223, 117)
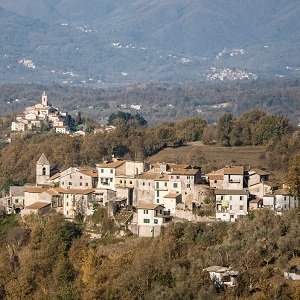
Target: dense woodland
point(50, 258)
point(163, 101)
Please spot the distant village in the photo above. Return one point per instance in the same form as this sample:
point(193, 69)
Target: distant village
point(152, 195)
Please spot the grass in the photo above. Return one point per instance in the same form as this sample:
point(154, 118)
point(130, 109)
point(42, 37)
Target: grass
point(216, 156)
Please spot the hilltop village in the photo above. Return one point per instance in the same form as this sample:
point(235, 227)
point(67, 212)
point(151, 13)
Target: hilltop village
point(151, 195)
point(41, 115)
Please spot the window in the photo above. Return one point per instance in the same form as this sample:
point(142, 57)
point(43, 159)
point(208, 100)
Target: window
point(67, 203)
point(241, 197)
point(171, 177)
point(62, 183)
point(124, 181)
point(149, 184)
point(86, 184)
point(155, 221)
point(157, 193)
point(16, 200)
point(146, 221)
point(111, 170)
point(157, 200)
point(187, 177)
point(230, 198)
point(44, 171)
point(102, 170)
point(241, 207)
point(70, 183)
point(175, 185)
point(112, 180)
point(157, 184)
point(80, 183)
point(188, 185)
point(222, 197)
point(67, 212)
point(215, 181)
point(143, 183)
point(130, 181)
point(166, 184)
point(230, 207)
point(177, 177)
point(120, 181)
point(80, 177)
point(146, 211)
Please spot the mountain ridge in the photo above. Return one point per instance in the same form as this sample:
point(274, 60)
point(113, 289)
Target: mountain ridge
point(156, 40)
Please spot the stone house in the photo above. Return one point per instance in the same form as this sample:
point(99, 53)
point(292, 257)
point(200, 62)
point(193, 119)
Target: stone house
point(75, 202)
point(230, 177)
point(231, 205)
point(280, 200)
point(222, 275)
point(151, 217)
point(78, 178)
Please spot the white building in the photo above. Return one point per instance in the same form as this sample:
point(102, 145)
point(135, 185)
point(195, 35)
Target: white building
point(231, 205)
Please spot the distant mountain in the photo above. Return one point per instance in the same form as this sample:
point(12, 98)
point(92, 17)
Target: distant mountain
point(122, 41)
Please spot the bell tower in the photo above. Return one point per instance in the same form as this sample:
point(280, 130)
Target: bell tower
point(42, 170)
point(44, 99)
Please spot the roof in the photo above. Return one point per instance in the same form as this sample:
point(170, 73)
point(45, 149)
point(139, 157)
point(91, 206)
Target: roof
point(55, 191)
point(172, 195)
point(153, 176)
point(149, 206)
point(113, 164)
point(215, 176)
point(185, 172)
point(234, 170)
point(38, 205)
point(56, 175)
point(281, 192)
point(220, 269)
point(78, 191)
point(259, 172)
point(230, 192)
point(16, 191)
point(43, 160)
point(89, 172)
point(35, 189)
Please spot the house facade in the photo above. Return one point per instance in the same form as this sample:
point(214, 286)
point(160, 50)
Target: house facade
point(231, 205)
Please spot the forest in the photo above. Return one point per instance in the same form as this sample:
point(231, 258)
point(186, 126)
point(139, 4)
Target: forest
point(46, 257)
point(164, 101)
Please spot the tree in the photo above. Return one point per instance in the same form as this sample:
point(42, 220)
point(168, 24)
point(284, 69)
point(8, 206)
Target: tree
point(224, 128)
point(293, 175)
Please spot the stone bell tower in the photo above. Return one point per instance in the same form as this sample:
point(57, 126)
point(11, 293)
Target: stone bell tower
point(45, 99)
point(42, 170)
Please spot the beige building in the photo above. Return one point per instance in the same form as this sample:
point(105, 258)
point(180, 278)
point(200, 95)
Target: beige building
point(150, 219)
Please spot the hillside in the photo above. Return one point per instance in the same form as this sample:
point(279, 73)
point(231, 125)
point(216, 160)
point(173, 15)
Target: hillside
point(161, 102)
point(100, 42)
